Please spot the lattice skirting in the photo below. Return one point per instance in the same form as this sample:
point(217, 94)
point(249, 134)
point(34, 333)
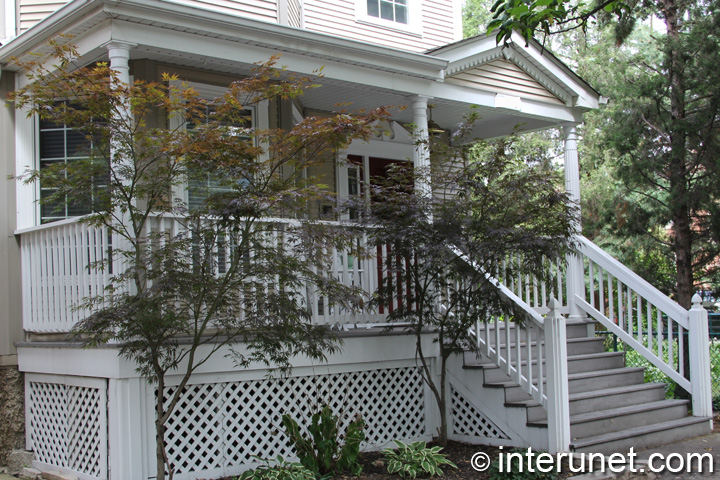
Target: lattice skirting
point(469, 421)
point(223, 425)
point(67, 423)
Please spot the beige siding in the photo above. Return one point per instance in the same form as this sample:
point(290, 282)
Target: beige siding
point(338, 17)
point(503, 76)
point(31, 12)
point(265, 10)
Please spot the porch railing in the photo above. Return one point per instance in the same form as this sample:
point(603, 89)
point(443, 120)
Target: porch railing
point(65, 262)
point(622, 302)
point(533, 355)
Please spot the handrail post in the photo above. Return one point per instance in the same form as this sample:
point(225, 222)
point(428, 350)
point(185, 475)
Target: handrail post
point(558, 401)
point(700, 359)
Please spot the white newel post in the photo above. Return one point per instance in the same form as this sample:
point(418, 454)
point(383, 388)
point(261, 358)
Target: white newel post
point(558, 400)
point(421, 154)
point(700, 360)
point(575, 270)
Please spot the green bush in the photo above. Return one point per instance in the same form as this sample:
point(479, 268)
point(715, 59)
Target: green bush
point(415, 459)
point(282, 470)
point(518, 468)
point(326, 451)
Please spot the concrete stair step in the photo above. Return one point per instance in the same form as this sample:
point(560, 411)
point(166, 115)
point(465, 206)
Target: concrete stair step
point(643, 436)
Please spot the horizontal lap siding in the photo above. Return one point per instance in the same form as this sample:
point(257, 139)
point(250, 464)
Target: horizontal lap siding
point(265, 10)
point(33, 11)
point(502, 76)
point(30, 12)
point(337, 17)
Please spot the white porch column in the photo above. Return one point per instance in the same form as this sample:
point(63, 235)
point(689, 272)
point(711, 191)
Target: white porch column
point(575, 270)
point(421, 154)
point(119, 55)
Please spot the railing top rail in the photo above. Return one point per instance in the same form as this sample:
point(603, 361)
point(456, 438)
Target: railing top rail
point(633, 280)
point(171, 216)
point(529, 312)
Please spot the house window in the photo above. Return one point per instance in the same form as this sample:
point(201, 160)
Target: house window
point(202, 184)
point(59, 146)
point(392, 10)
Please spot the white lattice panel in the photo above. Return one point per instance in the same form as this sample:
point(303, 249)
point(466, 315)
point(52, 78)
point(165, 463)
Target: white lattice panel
point(468, 420)
point(67, 426)
point(223, 425)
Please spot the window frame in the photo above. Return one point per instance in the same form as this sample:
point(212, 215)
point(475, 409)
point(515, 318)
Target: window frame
point(38, 131)
point(259, 118)
point(414, 26)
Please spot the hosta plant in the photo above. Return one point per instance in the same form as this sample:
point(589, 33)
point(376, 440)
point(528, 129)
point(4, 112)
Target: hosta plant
point(415, 459)
point(279, 469)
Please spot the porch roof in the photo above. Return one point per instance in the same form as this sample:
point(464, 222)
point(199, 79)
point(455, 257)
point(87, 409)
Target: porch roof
point(354, 72)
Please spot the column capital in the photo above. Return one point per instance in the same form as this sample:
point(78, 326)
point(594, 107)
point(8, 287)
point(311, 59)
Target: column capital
point(570, 130)
point(119, 45)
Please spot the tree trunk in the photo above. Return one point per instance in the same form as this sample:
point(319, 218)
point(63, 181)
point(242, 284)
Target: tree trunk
point(678, 171)
point(678, 175)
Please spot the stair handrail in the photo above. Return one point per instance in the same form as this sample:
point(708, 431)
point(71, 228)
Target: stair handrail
point(640, 305)
point(628, 277)
point(554, 397)
point(506, 292)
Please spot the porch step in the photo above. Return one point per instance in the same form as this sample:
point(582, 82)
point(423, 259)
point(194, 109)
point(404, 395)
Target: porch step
point(586, 425)
point(611, 408)
point(580, 382)
point(597, 400)
point(602, 364)
point(643, 436)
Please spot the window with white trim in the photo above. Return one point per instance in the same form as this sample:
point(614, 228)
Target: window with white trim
point(402, 15)
point(200, 185)
point(392, 10)
point(59, 145)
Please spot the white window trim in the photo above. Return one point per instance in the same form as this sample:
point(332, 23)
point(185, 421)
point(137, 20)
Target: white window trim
point(260, 119)
point(413, 27)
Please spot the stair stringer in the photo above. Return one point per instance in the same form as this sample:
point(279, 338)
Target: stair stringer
point(490, 402)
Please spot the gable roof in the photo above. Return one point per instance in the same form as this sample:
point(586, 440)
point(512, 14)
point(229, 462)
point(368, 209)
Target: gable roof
point(533, 59)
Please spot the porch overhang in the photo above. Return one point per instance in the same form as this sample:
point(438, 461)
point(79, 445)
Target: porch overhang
point(356, 73)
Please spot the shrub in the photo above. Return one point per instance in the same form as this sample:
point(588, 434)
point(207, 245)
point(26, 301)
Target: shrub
point(325, 451)
point(415, 459)
point(282, 470)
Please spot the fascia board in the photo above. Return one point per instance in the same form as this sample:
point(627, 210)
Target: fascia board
point(224, 50)
point(57, 22)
